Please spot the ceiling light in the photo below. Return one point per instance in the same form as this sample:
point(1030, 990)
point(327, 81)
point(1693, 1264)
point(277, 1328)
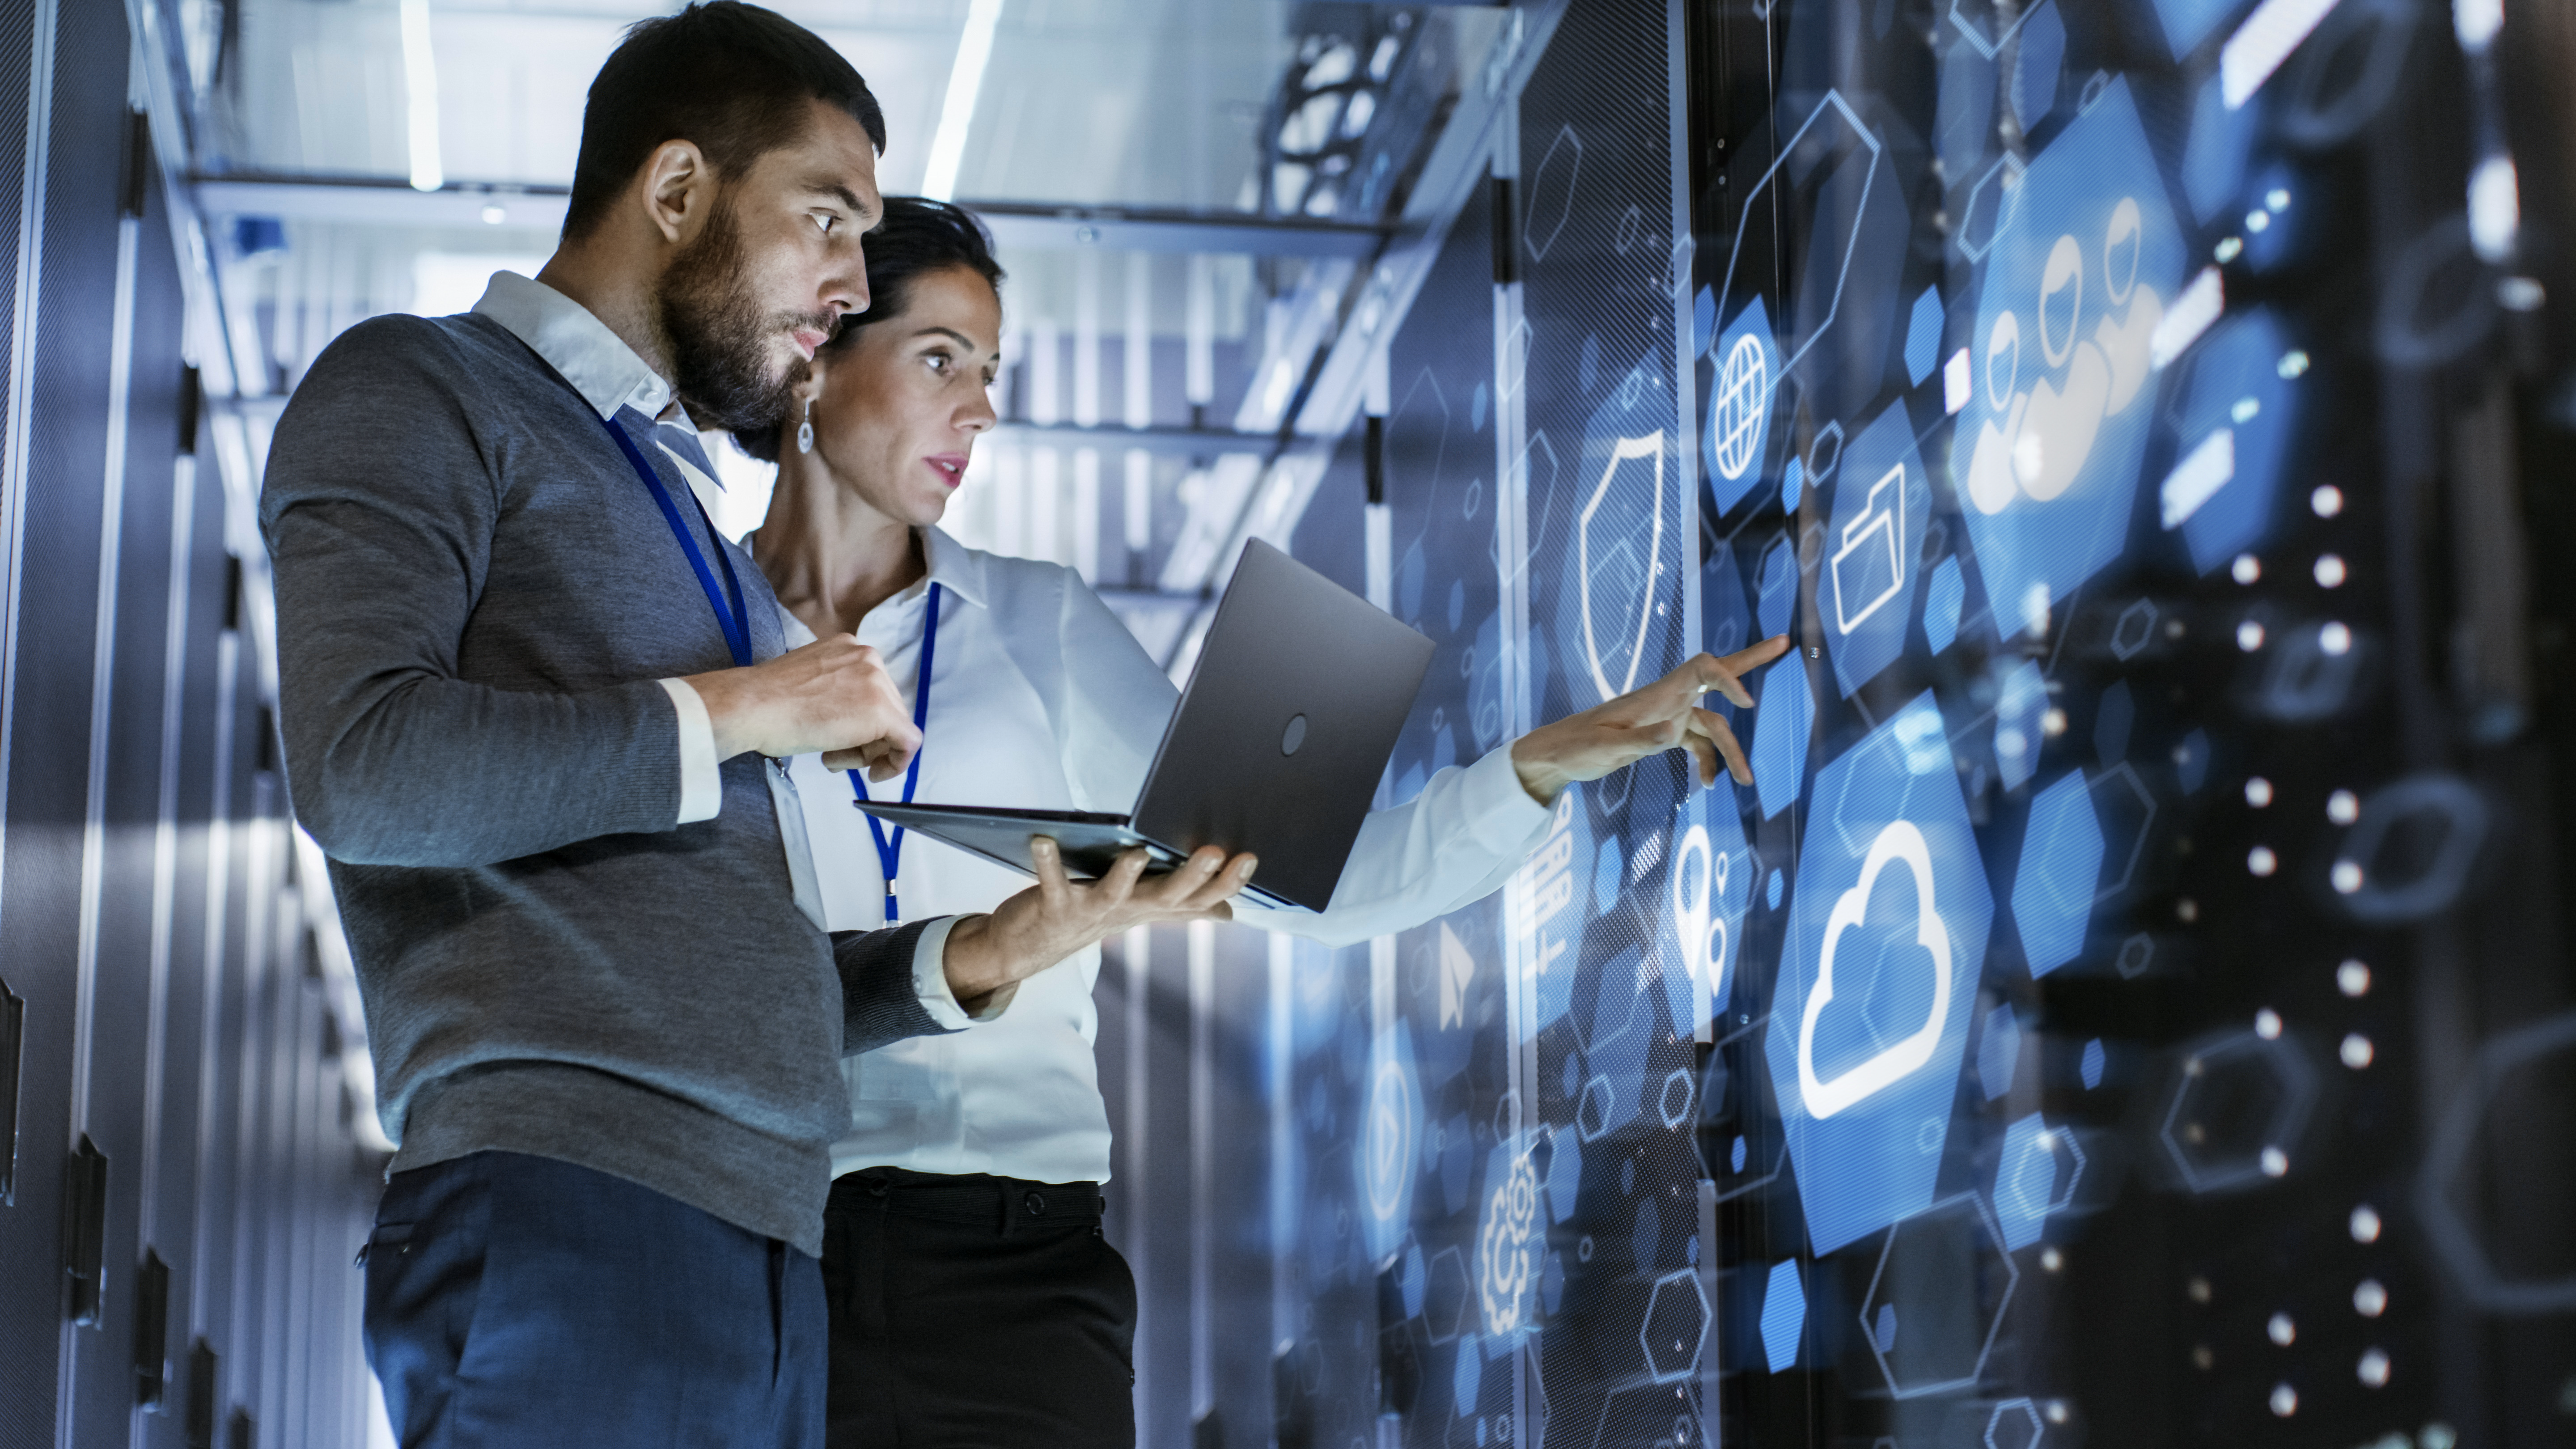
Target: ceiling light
point(957, 107)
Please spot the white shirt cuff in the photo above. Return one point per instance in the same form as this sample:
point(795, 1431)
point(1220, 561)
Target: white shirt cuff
point(930, 981)
point(1499, 808)
point(701, 784)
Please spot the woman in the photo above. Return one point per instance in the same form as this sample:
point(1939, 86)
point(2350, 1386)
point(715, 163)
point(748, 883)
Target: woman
point(974, 1299)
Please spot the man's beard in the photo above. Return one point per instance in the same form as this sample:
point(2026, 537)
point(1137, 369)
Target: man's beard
point(719, 339)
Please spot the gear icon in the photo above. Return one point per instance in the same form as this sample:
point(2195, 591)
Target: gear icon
point(1506, 1251)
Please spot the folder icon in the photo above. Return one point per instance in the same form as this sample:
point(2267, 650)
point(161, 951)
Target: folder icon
point(1869, 567)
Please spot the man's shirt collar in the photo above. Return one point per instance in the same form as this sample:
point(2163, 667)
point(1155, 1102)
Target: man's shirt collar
point(596, 361)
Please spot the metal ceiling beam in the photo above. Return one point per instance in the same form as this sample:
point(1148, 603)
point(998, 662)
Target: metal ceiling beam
point(388, 201)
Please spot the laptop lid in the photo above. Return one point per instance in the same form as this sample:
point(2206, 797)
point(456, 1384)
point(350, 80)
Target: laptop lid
point(1299, 693)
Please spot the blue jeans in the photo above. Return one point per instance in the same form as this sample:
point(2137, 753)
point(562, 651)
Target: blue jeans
point(521, 1301)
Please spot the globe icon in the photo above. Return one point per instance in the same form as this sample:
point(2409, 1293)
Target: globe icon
point(1743, 390)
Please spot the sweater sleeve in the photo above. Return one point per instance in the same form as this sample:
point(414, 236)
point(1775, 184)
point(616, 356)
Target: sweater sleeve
point(883, 999)
point(379, 509)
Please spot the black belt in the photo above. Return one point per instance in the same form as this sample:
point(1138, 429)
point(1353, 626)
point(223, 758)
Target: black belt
point(1001, 1202)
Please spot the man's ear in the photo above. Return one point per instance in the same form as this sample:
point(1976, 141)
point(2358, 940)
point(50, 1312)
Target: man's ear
point(679, 188)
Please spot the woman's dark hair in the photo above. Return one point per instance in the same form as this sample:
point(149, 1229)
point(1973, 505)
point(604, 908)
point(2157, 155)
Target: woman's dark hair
point(735, 79)
point(918, 236)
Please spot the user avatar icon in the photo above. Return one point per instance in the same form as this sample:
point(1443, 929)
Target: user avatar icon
point(2048, 432)
point(2048, 450)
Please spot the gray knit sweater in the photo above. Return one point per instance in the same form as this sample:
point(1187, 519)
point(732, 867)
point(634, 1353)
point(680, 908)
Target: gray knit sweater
point(475, 599)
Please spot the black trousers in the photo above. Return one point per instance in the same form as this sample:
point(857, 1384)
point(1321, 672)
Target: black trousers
point(975, 1312)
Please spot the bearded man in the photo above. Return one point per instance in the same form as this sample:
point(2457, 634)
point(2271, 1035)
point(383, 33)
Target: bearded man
point(536, 711)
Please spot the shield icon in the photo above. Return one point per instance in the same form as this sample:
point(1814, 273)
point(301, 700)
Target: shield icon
point(1619, 542)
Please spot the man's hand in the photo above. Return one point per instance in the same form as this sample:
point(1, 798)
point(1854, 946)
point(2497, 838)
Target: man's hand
point(831, 695)
point(988, 956)
point(1662, 716)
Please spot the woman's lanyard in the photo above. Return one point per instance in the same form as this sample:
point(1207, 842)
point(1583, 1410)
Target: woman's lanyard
point(734, 621)
point(890, 852)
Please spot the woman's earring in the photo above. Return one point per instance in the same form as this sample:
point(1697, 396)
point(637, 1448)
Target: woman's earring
point(805, 429)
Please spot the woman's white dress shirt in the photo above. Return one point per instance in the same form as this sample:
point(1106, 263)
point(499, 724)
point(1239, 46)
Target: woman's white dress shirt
point(1041, 699)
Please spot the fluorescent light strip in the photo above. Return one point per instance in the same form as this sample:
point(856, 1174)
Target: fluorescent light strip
point(2198, 477)
point(420, 89)
point(2200, 304)
point(957, 108)
point(2264, 41)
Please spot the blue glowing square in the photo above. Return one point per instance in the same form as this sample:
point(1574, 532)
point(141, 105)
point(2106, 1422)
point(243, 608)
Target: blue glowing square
point(2213, 160)
point(2046, 454)
point(1878, 978)
point(1780, 725)
point(1923, 336)
point(1725, 618)
point(2236, 418)
point(2095, 1059)
point(1999, 1052)
point(1778, 585)
point(2188, 22)
point(1963, 125)
point(1873, 557)
point(2191, 762)
point(2038, 59)
point(1941, 606)
point(2021, 710)
point(1784, 1316)
point(2061, 864)
point(1733, 445)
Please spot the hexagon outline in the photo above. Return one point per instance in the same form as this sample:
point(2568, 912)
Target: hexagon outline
point(1987, 48)
point(2120, 626)
point(2127, 774)
point(2040, 897)
point(1851, 243)
point(2038, 1428)
point(2146, 956)
point(2298, 1079)
point(1754, 1032)
point(1654, 1366)
point(2454, 1240)
point(2012, 1281)
point(1623, 450)
point(1530, 238)
point(2010, 168)
point(2022, 1143)
point(2439, 884)
point(1466, 1297)
point(1674, 1119)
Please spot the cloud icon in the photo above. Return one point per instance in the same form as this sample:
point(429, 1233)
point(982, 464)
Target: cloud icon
point(1900, 841)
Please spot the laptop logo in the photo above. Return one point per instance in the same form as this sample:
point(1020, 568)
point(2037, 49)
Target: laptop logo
point(1295, 736)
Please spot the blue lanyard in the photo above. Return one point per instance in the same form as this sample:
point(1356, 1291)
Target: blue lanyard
point(890, 852)
point(736, 621)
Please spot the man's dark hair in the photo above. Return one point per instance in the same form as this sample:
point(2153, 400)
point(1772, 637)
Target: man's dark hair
point(735, 79)
point(918, 236)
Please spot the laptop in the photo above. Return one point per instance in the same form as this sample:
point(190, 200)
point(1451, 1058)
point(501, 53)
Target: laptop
point(1299, 692)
